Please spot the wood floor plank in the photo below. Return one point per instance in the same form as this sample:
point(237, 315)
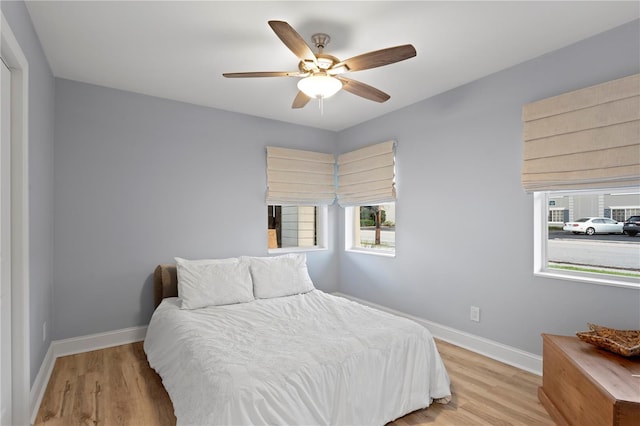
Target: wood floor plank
point(116, 386)
point(57, 401)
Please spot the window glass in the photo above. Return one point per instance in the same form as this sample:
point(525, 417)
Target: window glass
point(294, 228)
point(373, 228)
point(556, 215)
point(592, 241)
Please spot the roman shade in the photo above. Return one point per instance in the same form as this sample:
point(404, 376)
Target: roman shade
point(367, 176)
point(588, 138)
point(296, 177)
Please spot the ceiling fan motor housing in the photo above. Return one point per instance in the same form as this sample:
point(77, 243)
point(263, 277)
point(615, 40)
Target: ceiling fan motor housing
point(320, 40)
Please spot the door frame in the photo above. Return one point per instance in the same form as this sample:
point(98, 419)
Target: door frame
point(13, 55)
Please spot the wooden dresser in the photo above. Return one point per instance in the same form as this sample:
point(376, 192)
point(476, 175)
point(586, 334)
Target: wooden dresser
point(585, 385)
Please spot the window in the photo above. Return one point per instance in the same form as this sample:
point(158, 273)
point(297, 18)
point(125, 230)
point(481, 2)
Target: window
point(294, 228)
point(371, 228)
point(590, 244)
point(557, 215)
point(623, 213)
point(300, 185)
point(366, 190)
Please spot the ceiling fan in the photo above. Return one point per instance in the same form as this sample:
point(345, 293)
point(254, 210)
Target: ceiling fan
point(322, 74)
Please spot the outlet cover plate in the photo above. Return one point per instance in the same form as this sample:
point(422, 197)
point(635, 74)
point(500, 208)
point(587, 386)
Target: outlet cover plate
point(474, 314)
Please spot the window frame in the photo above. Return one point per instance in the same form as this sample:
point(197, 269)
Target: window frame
point(322, 233)
point(349, 234)
point(540, 259)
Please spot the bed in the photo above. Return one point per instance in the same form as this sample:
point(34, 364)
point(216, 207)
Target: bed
point(305, 358)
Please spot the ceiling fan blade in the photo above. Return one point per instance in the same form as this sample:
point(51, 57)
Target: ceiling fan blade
point(378, 58)
point(264, 74)
point(363, 90)
point(300, 100)
point(293, 41)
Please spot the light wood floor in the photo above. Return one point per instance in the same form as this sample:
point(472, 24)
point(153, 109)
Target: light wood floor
point(116, 386)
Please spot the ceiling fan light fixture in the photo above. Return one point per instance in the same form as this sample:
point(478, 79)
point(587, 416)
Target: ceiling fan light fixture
point(319, 86)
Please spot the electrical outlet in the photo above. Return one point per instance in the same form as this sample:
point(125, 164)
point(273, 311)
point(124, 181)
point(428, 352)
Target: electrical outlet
point(474, 314)
point(44, 331)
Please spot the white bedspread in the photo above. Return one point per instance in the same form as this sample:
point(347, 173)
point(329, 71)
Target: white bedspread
point(311, 359)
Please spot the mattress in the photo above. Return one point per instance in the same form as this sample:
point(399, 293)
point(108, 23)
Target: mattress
point(307, 359)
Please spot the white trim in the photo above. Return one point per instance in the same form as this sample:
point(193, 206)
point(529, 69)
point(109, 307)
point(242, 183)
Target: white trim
point(41, 382)
point(540, 231)
point(589, 278)
point(489, 348)
point(349, 228)
point(5, 247)
point(93, 342)
point(284, 250)
point(373, 252)
point(14, 57)
point(76, 345)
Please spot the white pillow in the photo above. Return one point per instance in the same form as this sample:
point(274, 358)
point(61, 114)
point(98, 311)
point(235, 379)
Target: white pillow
point(213, 282)
point(280, 275)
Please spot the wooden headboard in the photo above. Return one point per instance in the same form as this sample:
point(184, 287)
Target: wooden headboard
point(165, 283)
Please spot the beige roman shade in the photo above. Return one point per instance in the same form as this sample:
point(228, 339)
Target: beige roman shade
point(296, 177)
point(367, 176)
point(588, 138)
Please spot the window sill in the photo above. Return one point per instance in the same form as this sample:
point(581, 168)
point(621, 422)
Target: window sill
point(295, 250)
point(371, 252)
point(590, 278)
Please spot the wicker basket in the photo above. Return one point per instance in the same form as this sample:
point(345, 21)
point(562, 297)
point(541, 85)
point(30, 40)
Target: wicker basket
point(621, 342)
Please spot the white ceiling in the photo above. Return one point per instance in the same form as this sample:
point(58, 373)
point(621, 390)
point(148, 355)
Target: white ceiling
point(179, 50)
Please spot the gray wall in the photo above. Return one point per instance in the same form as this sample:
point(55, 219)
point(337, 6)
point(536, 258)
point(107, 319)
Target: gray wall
point(464, 223)
point(140, 180)
point(41, 124)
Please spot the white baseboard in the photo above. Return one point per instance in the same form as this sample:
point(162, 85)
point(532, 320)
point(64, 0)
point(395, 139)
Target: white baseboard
point(76, 345)
point(40, 383)
point(93, 342)
point(489, 348)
